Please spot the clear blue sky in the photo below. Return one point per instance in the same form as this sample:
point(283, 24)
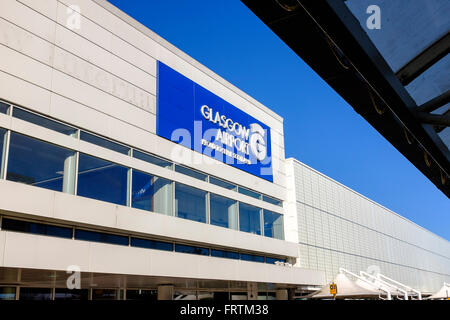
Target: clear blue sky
point(321, 129)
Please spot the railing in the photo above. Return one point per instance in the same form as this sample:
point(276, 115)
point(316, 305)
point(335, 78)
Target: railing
point(417, 292)
point(377, 287)
point(381, 283)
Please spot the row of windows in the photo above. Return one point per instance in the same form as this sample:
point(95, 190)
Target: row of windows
point(45, 165)
point(27, 293)
point(87, 235)
point(105, 143)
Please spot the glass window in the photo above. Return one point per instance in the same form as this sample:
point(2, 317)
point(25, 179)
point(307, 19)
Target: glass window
point(273, 224)
point(224, 254)
point(36, 228)
point(190, 249)
point(251, 257)
point(151, 244)
point(272, 200)
point(101, 237)
point(249, 193)
point(41, 164)
point(104, 143)
point(102, 180)
point(7, 293)
point(151, 159)
point(190, 172)
point(190, 203)
point(223, 211)
point(273, 260)
point(151, 193)
point(2, 150)
point(35, 294)
point(4, 107)
point(138, 294)
point(249, 218)
point(71, 294)
point(104, 294)
point(43, 122)
point(221, 183)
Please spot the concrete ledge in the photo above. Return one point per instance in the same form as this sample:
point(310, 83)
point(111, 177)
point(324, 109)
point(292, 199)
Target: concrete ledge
point(37, 203)
point(20, 250)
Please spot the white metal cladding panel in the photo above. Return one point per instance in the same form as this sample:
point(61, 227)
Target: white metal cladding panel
point(375, 216)
point(88, 51)
point(25, 68)
point(44, 51)
point(303, 256)
point(359, 233)
point(12, 88)
point(20, 40)
point(418, 279)
point(24, 16)
point(302, 223)
point(299, 178)
point(15, 12)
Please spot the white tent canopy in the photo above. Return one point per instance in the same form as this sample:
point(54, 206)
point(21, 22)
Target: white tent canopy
point(443, 293)
point(346, 288)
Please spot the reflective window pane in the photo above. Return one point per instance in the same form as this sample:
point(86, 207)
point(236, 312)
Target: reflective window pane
point(102, 180)
point(151, 159)
point(273, 260)
point(7, 293)
point(251, 257)
point(223, 211)
point(224, 254)
point(2, 150)
point(151, 244)
point(36, 228)
point(104, 294)
point(190, 203)
point(35, 294)
point(191, 249)
point(190, 172)
point(272, 200)
point(101, 237)
point(142, 295)
point(249, 193)
point(101, 142)
point(71, 294)
point(43, 122)
point(249, 218)
point(41, 164)
point(4, 107)
point(273, 224)
point(151, 193)
point(221, 183)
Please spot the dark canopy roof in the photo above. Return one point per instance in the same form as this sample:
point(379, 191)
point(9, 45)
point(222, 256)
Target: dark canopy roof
point(396, 77)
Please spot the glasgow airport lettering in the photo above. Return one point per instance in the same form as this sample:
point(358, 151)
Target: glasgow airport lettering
point(257, 143)
point(194, 117)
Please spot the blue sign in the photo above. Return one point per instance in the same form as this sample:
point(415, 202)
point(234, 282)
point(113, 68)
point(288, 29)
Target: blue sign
point(194, 117)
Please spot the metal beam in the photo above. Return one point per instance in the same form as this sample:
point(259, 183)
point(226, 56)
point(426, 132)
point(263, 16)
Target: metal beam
point(435, 103)
point(424, 60)
point(435, 119)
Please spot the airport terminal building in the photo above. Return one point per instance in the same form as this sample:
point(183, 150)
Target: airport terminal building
point(131, 171)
